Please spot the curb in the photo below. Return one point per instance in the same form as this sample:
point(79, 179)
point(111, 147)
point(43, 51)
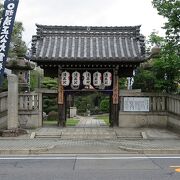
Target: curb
point(150, 151)
point(24, 151)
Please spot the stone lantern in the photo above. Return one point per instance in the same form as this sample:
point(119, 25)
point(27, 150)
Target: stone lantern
point(155, 51)
point(21, 68)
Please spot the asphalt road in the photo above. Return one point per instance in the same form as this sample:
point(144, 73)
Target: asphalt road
point(90, 168)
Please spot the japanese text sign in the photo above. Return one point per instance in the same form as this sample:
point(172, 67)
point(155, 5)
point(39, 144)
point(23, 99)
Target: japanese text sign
point(8, 17)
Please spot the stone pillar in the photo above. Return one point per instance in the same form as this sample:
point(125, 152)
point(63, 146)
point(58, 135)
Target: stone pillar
point(12, 101)
point(40, 99)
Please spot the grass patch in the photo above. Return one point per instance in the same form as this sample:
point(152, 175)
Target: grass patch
point(105, 118)
point(69, 122)
point(49, 123)
point(72, 122)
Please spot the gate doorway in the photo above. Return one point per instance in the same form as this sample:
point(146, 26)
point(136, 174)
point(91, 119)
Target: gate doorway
point(50, 109)
point(85, 109)
point(92, 109)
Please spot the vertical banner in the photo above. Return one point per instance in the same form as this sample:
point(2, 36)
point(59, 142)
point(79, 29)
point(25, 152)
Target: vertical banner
point(8, 17)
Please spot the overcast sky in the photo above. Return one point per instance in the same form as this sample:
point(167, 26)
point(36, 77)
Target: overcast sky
point(88, 13)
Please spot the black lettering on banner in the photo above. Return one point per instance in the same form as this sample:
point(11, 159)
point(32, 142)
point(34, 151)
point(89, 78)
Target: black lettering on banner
point(8, 17)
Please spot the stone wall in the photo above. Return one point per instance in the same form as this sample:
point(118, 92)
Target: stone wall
point(142, 119)
point(163, 111)
point(173, 108)
point(30, 110)
point(3, 110)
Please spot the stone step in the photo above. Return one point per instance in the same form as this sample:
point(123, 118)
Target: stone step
point(48, 135)
point(129, 137)
point(128, 134)
point(88, 136)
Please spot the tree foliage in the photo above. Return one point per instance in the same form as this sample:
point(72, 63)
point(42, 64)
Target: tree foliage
point(94, 102)
point(104, 105)
point(17, 46)
point(164, 71)
point(49, 102)
point(169, 62)
point(170, 9)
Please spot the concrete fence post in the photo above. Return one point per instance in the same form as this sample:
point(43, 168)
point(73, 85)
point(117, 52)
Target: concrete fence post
point(12, 101)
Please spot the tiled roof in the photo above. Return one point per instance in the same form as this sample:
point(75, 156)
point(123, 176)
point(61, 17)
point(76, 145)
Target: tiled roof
point(68, 43)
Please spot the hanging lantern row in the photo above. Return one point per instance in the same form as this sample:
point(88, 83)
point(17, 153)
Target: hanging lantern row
point(97, 78)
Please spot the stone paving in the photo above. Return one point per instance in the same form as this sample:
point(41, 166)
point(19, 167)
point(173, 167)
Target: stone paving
point(90, 121)
point(89, 146)
point(149, 144)
point(88, 139)
point(25, 144)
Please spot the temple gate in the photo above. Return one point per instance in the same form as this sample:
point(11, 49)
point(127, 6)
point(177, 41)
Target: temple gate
point(88, 59)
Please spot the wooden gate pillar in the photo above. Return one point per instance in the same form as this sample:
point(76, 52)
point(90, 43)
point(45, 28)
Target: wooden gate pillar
point(110, 111)
point(115, 98)
point(61, 101)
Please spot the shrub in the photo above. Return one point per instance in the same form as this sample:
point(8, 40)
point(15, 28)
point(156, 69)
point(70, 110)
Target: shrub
point(104, 105)
point(52, 116)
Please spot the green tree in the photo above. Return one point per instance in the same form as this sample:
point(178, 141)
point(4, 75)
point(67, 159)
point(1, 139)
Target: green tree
point(17, 46)
point(165, 69)
point(169, 62)
point(36, 77)
point(170, 9)
point(160, 73)
point(49, 102)
point(123, 83)
point(104, 105)
point(144, 80)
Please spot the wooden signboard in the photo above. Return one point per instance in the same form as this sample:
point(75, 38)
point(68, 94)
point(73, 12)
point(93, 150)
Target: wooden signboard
point(60, 94)
point(115, 90)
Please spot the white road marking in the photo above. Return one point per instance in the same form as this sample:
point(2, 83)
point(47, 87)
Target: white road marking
point(85, 158)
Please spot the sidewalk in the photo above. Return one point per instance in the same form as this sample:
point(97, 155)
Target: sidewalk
point(93, 140)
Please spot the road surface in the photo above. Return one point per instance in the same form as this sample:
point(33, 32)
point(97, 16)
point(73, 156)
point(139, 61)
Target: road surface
point(90, 167)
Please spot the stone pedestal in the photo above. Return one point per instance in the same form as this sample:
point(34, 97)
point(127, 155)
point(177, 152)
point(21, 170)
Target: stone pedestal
point(72, 112)
point(12, 101)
